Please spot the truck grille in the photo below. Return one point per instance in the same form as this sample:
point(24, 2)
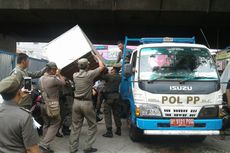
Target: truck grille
point(180, 112)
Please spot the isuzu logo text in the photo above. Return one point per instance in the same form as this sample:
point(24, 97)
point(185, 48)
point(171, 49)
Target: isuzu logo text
point(179, 88)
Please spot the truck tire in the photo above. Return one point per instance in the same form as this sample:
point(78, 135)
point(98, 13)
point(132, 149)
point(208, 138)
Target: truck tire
point(200, 138)
point(135, 134)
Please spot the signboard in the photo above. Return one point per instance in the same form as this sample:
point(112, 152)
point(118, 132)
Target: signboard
point(109, 53)
point(223, 55)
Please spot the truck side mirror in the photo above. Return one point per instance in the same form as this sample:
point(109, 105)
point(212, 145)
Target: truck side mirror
point(128, 70)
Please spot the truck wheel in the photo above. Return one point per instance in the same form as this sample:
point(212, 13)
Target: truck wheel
point(135, 134)
point(197, 138)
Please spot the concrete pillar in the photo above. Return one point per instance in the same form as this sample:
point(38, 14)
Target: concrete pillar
point(7, 43)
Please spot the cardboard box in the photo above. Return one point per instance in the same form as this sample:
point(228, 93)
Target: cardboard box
point(71, 68)
point(68, 48)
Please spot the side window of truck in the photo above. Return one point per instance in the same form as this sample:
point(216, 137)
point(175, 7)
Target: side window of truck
point(134, 59)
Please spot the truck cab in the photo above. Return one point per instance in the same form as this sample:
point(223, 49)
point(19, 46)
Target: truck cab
point(172, 87)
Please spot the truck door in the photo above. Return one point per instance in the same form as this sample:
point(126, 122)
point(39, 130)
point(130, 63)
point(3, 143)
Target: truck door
point(126, 81)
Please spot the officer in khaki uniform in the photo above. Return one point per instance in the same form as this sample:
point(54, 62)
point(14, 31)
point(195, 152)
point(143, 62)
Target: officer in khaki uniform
point(112, 97)
point(66, 103)
point(17, 131)
point(21, 72)
point(83, 105)
point(120, 45)
point(50, 83)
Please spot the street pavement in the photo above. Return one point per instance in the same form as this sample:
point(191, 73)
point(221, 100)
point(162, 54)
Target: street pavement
point(153, 144)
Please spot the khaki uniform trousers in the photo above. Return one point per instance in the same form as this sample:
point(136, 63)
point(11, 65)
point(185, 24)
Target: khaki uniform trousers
point(82, 109)
point(66, 111)
point(111, 105)
point(50, 128)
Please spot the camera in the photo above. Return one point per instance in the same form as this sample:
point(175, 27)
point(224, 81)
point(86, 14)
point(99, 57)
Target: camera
point(28, 83)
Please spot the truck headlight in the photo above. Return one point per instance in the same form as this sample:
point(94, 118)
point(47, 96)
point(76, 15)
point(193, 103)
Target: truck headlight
point(148, 110)
point(220, 98)
point(209, 112)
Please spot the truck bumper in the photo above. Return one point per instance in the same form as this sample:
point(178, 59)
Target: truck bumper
point(181, 132)
point(162, 127)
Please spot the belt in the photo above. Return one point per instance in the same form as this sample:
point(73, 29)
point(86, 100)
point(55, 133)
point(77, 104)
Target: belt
point(82, 98)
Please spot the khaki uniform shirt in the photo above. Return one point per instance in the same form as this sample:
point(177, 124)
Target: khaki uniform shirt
point(51, 85)
point(20, 74)
point(17, 130)
point(112, 83)
point(127, 57)
point(84, 81)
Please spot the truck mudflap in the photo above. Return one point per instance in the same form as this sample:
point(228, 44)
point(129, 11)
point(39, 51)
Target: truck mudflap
point(181, 132)
point(164, 127)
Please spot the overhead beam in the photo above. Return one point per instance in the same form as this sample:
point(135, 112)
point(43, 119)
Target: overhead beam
point(113, 5)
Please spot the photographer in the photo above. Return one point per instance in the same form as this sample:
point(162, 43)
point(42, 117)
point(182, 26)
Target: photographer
point(21, 72)
point(18, 135)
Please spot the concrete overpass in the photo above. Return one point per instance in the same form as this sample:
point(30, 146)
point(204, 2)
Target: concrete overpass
point(106, 21)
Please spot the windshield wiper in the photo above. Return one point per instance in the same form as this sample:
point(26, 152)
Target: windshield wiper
point(164, 77)
point(193, 78)
point(156, 68)
point(173, 76)
point(152, 80)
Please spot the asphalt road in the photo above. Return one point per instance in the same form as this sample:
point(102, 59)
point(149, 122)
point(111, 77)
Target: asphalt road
point(153, 144)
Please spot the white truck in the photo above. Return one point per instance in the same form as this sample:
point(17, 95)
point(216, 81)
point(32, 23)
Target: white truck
point(173, 88)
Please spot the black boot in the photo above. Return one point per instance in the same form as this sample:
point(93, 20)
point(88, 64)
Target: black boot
point(118, 132)
point(109, 133)
point(89, 150)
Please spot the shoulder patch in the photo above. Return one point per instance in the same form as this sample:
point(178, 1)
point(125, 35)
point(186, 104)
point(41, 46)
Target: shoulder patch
point(26, 110)
point(15, 70)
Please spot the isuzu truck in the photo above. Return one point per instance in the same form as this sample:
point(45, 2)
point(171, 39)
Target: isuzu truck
point(172, 87)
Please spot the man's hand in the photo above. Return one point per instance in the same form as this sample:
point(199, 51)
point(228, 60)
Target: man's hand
point(101, 65)
point(33, 149)
point(58, 72)
point(24, 92)
point(96, 57)
point(61, 77)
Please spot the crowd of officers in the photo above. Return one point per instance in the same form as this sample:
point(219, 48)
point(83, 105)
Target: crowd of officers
point(17, 130)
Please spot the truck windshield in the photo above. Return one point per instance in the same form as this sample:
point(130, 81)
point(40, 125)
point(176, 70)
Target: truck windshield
point(176, 63)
